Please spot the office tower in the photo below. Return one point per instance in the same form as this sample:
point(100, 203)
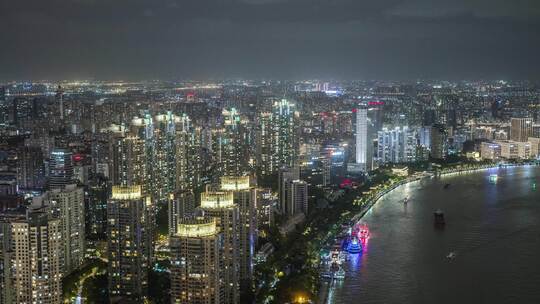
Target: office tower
point(521, 129)
point(297, 197)
point(286, 176)
point(67, 204)
point(363, 140)
point(196, 264)
point(60, 168)
point(438, 142)
point(220, 205)
point(97, 194)
point(181, 205)
point(128, 243)
point(188, 155)
point(30, 168)
point(397, 145)
point(30, 258)
point(245, 197)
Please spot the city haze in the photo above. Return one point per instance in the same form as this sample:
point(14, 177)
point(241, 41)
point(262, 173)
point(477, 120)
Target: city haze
point(291, 39)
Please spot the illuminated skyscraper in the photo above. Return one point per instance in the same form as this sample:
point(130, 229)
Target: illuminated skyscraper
point(67, 204)
point(60, 168)
point(30, 258)
point(277, 137)
point(397, 145)
point(220, 205)
point(285, 137)
point(127, 161)
point(232, 145)
point(96, 208)
point(196, 262)
point(188, 155)
point(245, 197)
point(128, 243)
point(164, 164)
point(181, 205)
point(264, 143)
point(286, 177)
point(438, 142)
point(363, 141)
point(521, 129)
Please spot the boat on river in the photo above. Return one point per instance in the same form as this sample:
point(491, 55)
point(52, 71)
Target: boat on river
point(439, 217)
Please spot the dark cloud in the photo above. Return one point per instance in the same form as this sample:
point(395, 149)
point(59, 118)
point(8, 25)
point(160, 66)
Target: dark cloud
point(390, 39)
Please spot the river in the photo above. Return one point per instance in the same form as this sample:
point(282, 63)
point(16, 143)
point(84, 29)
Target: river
point(493, 226)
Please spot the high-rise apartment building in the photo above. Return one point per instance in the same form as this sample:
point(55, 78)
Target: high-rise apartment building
point(127, 160)
point(196, 264)
point(398, 145)
point(96, 197)
point(30, 258)
point(67, 204)
point(220, 205)
point(438, 137)
point(164, 164)
point(245, 197)
point(188, 155)
point(181, 205)
point(286, 176)
point(128, 243)
point(293, 197)
point(232, 145)
point(277, 137)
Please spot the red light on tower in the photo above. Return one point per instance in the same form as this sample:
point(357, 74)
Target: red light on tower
point(77, 157)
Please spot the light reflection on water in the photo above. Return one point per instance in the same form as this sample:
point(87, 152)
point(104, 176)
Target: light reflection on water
point(493, 228)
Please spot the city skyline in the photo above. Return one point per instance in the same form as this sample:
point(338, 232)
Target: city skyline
point(269, 151)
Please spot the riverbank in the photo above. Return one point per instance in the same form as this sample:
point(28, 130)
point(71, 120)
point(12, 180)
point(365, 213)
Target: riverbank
point(492, 227)
point(368, 200)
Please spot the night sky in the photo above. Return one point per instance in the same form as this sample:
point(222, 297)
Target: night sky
point(289, 39)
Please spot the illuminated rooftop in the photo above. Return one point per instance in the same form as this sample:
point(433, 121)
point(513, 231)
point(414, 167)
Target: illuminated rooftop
point(217, 199)
point(234, 183)
point(197, 227)
point(126, 192)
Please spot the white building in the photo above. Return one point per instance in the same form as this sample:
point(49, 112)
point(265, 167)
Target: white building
point(397, 145)
point(363, 160)
point(514, 149)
